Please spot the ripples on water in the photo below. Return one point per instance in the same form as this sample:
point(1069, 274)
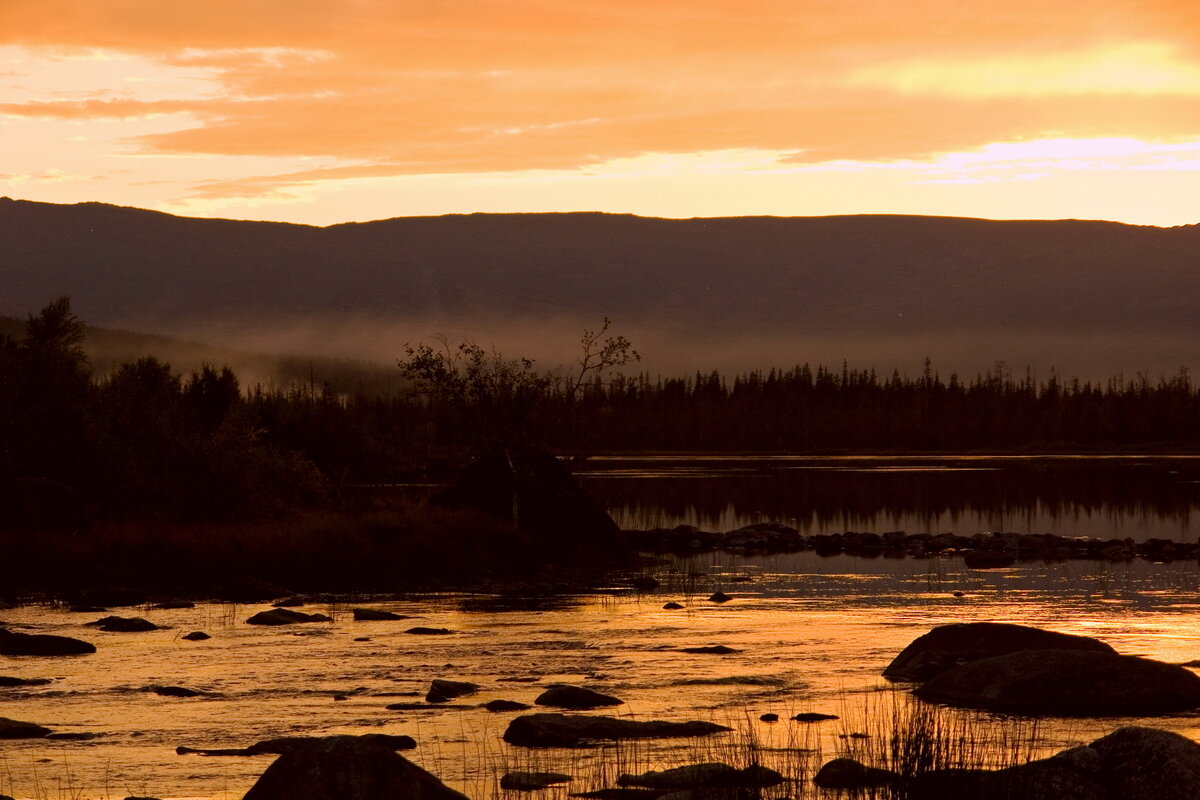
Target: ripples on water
point(814, 634)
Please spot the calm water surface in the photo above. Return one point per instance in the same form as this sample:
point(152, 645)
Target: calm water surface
point(814, 633)
point(1123, 496)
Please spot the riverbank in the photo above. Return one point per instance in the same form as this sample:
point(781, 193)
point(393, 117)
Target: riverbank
point(405, 547)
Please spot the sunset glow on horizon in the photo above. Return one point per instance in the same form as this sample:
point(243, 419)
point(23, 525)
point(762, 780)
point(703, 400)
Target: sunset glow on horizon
point(322, 112)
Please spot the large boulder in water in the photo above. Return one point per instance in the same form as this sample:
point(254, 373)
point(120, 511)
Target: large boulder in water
point(346, 768)
point(1129, 764)
point(37, 644)
point(947, 646)
point(1066, 683)
point(1149, 764)
point(534, 490)
point(573, 730)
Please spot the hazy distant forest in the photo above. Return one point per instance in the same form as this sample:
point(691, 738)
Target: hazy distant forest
point(145, 440)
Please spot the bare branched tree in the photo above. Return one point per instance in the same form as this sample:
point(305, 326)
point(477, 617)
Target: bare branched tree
point(599, 355)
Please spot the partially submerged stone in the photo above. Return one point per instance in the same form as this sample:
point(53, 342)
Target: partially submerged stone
point(846, 773)
point(532, 781)
point(422, 631)
point(15, 729)
point(376, 615)
point(441, 690)
point(1149, 764)
point(285, 616)
point(709, 774)
point(196, 636)
point(577, 697)
point(505, 705)
point(124, 624)
point(715, 649)
point(1066, 683)
point(346, 768)
point(173, 691)
point(7, 681)
point(947, 646)
point(38, 644)
point(576, 730)
point(290, 744)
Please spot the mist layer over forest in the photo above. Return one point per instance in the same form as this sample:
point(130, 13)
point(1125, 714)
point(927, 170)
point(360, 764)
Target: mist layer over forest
point(1091, 299)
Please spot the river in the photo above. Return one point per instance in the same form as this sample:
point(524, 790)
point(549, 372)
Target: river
point(813, 634)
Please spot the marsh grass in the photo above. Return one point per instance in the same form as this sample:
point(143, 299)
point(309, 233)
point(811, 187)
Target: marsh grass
point(897, 732)
point(891, 730)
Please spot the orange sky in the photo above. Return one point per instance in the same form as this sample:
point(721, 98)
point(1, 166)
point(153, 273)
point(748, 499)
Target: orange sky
point(360, 109)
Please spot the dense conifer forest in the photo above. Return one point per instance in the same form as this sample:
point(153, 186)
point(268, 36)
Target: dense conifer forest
point(146, 440)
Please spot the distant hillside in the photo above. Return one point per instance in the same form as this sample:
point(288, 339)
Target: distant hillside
point(824, 283)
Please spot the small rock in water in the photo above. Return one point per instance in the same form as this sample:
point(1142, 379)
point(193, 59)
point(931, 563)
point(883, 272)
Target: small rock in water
point(720, 597)
point(173, 691)
point(37, 644)
point(769, 718)
point(672, 606)
point(442, 690)
point(124, 624)
point(575, 697)
point(15, 729)
point(428, 631)
point(362, 639)
point(6, 681)
point(376, 615)
point(960, 594)
point(532, 781)
point(196, 636)
point(716, 649)
point(505, 705)
point(813, 716)
point(578, 730)
point(711, 774)
point(283, 616)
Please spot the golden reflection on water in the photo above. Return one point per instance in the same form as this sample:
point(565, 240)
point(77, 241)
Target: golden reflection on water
point(814, 635)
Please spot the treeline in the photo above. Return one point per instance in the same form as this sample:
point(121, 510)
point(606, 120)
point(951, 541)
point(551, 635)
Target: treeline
point(145, 440)
point(822, 410)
